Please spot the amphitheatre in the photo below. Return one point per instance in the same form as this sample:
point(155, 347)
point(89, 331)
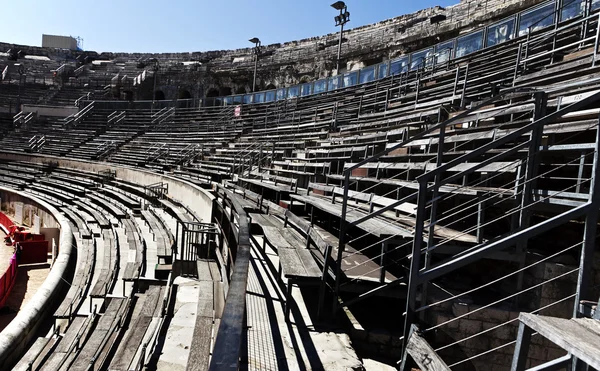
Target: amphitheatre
point(419, 193)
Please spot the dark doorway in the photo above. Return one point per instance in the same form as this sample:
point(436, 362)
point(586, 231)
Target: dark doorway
point(225, 91)
point(159, 95)
point(184, 94)
point(212, 92)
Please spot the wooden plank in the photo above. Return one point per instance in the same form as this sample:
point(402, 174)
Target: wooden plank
point(303, 224)
point(275, 238)
point(373, 225)
point(270, 186)
point(308, 261)
point(500, 167)
point(424, 355)
point(581, 337)
point(355, 265)
point(34, 351)
point(128, 347)
point(102, 330)
point(291, 265)
point(260, 219)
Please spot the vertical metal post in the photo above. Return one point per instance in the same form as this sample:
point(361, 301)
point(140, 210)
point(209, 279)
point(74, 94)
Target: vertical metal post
point(480, 209)
point(589, 236)
point(464, 91)
point(529, 180)
point(456, 81)
point(415, 263)
point(156, 66)
point(521, 348)
point(433, 212)
point(518, 62)
point(596, 41)
point(255, 67)
point(382, 269)
point(339, 52)
point(341, 239)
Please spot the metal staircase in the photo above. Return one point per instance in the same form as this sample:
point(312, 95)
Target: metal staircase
point(459, 186)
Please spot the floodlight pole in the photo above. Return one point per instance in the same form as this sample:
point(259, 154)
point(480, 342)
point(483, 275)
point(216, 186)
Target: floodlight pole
point(156, 67)
point(256, 43)
point(21, 73)
point(337, 68)
point(340, 20)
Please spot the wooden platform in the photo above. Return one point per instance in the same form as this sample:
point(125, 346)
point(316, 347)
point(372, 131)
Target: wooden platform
point(578, 336)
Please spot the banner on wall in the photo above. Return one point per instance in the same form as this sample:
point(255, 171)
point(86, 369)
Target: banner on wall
point(36, 224)
point(18, 213)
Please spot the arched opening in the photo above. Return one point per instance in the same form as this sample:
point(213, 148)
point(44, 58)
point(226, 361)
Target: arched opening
point(241, 90)
point(270, 87)
point(159, 95)
point(212, 92)
point(225, 91)
point(128, 95)
point(184, 94)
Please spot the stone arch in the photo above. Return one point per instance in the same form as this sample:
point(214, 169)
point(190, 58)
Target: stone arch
point(270, 87)
point(241, 90)
point(225, 91)
point(212, 92)
point(304, 79)
point(159, 95)
point(184, 94)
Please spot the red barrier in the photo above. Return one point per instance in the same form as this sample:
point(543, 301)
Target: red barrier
point(33, 252)
point(5, 221)
point(7, 281)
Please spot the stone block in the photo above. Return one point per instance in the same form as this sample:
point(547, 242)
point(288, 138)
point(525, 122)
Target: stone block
point(379, 337)
point(459, 309)
point(538, 352)
point(469, 326)
point(477, 343)
point(495, 343)
point(358, 334)
point(489, 315)
point(554, 353)
point(503, 333)
point(443, 318)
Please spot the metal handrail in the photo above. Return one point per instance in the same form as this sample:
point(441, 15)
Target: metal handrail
point(227, 346)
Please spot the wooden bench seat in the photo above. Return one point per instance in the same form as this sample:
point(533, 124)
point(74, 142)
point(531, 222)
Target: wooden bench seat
point(108, 272)
point(296, 262)
point(162, 237)
point(580, 337)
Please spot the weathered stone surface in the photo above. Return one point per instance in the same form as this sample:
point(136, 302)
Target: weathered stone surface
point(225, 72)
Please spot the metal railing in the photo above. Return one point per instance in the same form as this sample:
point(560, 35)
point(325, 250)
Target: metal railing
point(161, 117)
point(36, 142)
point(227, 347)
point(115, 118)
point(76, 118)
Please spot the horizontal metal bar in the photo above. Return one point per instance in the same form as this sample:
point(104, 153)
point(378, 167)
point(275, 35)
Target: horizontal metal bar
point(509, 137)
point(384, 209)
point(557, 49)
point(485, 162)
point(480, 251)
point(513, 92)
point(554, 365)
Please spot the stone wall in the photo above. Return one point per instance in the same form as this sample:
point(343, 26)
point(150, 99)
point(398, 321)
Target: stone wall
point(466, 319)
point(312, 58)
